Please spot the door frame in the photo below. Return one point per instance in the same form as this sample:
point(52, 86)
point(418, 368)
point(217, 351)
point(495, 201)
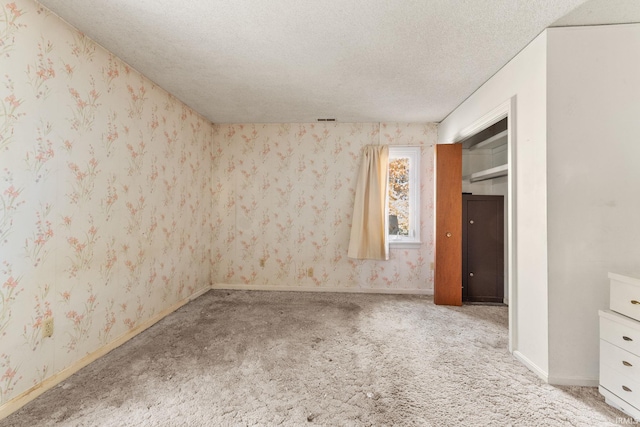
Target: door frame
point(505, 110)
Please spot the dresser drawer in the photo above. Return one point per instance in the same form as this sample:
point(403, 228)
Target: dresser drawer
point(620, 360)
point(620, 331)
point(620, 385)
point(625, 298)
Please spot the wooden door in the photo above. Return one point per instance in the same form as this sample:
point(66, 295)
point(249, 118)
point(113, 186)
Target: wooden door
point(483, 248)
point(447, 286)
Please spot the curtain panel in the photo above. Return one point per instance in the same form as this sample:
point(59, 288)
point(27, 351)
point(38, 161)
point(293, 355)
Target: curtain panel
point(369, 227)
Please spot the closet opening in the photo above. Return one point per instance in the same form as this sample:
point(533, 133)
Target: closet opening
point(485, 193)
point(490, 162)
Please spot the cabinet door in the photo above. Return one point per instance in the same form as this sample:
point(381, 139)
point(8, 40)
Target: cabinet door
point(483, 248)
point(447, 289)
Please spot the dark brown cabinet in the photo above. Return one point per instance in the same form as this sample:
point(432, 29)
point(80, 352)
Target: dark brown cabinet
point(482, 248)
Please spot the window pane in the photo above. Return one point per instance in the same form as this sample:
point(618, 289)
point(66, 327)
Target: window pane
point(399, 194)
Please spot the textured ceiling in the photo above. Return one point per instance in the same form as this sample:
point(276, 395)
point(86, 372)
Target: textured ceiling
point(299, 60)
point(596, 12)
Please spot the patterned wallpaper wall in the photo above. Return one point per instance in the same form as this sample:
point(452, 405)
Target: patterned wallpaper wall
point(104, 197)
point(283, 200)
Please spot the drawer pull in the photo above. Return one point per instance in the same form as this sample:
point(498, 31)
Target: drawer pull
point(635, 302)
point(625, 363)
point(625, 388)
point(626, 338)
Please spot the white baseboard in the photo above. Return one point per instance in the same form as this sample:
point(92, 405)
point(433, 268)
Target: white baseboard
point(252, 287)
point(555, 380)
point(532, 366)
point(35, 391)
point(577, 381)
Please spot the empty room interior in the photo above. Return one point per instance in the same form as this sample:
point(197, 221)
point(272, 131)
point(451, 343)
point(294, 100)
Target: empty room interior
point(319, 213)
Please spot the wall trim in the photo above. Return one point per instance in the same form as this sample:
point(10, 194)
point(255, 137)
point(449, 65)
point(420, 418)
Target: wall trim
point(27, 396)
point(574, 381)
point(532, 366)
point(490, 118)
point(253, 287)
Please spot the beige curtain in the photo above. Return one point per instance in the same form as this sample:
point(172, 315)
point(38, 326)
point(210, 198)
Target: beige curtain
point(369, 227)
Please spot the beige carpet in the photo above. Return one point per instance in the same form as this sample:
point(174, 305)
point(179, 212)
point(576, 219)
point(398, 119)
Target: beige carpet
point(277, 358)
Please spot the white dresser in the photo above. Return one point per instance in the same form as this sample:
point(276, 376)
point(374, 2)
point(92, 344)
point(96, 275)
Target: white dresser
point(620, 346)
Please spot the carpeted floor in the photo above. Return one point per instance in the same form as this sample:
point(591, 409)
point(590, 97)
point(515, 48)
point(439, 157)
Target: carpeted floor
point(294, 359)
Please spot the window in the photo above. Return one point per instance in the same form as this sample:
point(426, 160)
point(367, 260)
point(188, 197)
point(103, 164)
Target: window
point(404, 196)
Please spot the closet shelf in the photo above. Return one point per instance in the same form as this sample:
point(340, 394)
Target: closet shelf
point(495, 141)
point(490, 173)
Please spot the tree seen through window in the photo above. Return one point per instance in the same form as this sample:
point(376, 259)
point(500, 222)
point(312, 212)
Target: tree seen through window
point(399, 193)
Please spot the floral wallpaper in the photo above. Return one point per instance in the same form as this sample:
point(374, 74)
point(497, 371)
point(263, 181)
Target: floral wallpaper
point(105, 197)
point(283, 199)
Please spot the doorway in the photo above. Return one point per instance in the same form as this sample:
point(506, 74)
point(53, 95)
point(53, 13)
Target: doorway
point(504, 113)
point(485, 164)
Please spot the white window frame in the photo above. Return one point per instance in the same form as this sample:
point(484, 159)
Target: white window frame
point(413, 239)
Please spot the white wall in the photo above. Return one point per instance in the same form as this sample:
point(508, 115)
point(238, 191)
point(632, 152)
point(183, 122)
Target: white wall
point(593, 176)
point(525, 78)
